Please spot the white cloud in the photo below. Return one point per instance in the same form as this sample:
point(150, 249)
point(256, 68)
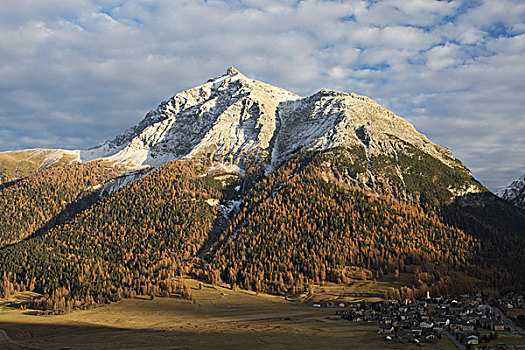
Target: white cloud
point(400, 12)
point(443, 56)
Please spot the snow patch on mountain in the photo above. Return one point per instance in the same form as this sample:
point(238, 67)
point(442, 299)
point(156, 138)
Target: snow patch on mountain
point(55, 156)
point(114, 185)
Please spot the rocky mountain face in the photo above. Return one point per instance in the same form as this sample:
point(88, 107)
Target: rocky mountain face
point(235, 124)
point(514, 193)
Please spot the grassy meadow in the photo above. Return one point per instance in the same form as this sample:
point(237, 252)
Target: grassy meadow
point(217, 318)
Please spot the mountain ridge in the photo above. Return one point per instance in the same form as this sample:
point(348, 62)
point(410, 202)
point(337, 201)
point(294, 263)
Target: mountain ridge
point(181, 101)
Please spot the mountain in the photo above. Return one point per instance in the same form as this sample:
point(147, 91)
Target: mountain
point(234, 123)
point(229, 121)
point(239, 182)
point(514, 193)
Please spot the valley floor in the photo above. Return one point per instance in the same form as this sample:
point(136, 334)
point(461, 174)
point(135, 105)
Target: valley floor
point(219, 318)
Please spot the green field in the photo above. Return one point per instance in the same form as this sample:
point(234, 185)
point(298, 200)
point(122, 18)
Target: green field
point(509, 339)
point(218, 318)
point(515, 312)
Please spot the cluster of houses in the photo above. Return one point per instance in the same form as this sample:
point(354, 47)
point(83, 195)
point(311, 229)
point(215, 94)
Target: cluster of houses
point(512, 301)
point(404, 321)
point(467, 320)
point(470, 320)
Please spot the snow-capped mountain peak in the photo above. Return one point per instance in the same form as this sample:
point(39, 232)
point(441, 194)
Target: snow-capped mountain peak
point(235, 123)
point(230, 120)
point(514, 193)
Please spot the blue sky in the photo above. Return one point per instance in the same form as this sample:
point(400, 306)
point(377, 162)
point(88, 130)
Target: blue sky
point(75, 73)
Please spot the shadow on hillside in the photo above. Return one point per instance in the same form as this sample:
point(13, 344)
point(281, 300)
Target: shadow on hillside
point(8, 184)
point(499, 228)
point(485, 215)
point(70, 211)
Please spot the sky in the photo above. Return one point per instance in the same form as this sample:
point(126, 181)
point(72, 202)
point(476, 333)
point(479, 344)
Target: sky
point(75, 73)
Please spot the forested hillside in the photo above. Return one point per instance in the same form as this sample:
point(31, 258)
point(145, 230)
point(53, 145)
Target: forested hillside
point(299, 227)
point(303, 224)
point(134, 242)
point(500, 227)
point(266, 190)
point(43, 200)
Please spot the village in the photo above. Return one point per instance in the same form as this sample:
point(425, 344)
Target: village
point(471, 321)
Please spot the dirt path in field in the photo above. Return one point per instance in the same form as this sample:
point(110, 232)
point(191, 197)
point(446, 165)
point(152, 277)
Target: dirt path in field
point(9, 340)
point(258, 317)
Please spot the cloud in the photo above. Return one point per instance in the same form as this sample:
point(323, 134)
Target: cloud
point(76, 73)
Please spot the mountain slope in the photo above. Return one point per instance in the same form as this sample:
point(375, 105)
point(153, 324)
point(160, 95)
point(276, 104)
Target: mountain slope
point(299, 227)
point(39, 202)
point(514, 193)
point(237, 124)
point(295, 228)
point(229, 121)
point(16, 165)
point(135, 241)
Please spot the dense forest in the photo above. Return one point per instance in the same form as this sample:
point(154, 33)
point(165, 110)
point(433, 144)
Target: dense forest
point(500, 227)
point(298, 228)
point(134, 242)
point(303, 224)
point(35, 203)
